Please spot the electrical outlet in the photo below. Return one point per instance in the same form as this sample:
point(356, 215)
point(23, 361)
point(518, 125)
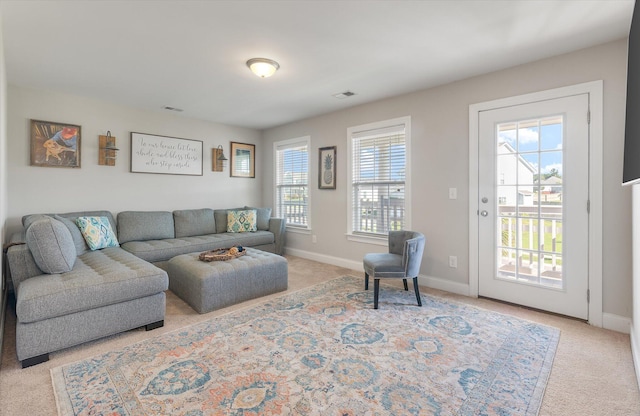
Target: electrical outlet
point(314, 239)
point(453, 262)
point(453, 193)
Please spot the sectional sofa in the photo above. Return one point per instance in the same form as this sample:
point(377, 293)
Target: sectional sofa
point(67, 294)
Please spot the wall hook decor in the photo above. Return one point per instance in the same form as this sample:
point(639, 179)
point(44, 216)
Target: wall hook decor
point(217, 159)
point(107, 150)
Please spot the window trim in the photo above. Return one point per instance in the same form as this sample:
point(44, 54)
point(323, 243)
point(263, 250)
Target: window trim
point(303, 140)
point(355, 130)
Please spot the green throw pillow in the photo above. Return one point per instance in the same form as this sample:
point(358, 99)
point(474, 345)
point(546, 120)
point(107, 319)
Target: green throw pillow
point(241, 221)
point(97, 232)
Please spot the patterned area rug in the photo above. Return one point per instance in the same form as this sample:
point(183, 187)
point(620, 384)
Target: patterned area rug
point(324, 351)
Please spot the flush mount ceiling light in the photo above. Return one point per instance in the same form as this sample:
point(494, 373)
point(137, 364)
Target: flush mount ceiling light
point(263, 67)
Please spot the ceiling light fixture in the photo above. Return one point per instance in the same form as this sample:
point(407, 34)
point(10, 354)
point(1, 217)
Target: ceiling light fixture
point(263, 67)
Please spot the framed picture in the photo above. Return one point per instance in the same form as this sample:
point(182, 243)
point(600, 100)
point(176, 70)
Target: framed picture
point(55, 144)
point(169, 155)
point(243, 160)
point(327, 168)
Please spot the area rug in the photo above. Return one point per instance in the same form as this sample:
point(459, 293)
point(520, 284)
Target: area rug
point(324, 351)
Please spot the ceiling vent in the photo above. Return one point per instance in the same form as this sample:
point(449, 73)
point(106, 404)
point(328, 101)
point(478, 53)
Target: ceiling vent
point(343, 95)
point(179, 110)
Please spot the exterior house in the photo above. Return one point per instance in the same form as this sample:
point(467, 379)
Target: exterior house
point(551, 190)
point(513, 169)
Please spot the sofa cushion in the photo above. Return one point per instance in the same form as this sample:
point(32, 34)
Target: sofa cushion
point(73, 215)
point(190, 222)
point(28, 219)
point(51, 245)
point(263, 215)
point(241, 221)
point(97, 232)
point(78, 238)
point(145, 225)
point(99, 278)
point(163, 250)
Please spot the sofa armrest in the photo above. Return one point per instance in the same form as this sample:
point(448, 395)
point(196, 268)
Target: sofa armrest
point(21, 263)
point(277, 227)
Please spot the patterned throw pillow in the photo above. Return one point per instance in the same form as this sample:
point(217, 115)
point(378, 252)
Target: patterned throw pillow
point(241, 221)
point(97, 232)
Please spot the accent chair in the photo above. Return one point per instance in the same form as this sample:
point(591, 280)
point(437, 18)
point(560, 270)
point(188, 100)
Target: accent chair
point(401, 262)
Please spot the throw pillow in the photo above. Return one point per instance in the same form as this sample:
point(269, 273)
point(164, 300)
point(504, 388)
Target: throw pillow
point(51, 245)
point(241, 221)
point(263, 215)
point(97, 232)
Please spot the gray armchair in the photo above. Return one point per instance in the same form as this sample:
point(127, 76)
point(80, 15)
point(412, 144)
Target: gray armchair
point(401, 262)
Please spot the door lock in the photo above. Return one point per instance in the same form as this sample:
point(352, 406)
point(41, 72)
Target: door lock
point(484, 213)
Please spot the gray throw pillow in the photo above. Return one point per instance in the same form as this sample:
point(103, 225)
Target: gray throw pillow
point(263, 215)
point(51, 245)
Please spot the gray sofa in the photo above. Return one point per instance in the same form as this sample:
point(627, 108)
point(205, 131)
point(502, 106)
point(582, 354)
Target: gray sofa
point(158, 236)
point(67, 294)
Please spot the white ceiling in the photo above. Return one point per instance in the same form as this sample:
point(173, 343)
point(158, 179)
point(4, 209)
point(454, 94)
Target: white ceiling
point(191, 54)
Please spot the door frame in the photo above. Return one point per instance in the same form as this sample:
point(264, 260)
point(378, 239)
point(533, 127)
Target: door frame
point(594, 90)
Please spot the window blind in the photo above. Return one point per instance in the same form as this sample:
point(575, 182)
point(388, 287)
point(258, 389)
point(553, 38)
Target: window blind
point(378, 180)
point(292, 182)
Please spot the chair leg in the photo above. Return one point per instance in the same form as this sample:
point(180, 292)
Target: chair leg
point(366, 281)
point(405, 284)
point(415, 287)
point(376, 289)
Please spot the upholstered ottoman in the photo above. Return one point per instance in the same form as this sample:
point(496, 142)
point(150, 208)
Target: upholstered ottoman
point(207, 286)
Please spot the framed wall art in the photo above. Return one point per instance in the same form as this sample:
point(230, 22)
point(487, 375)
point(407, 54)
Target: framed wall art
point(243, 160)
point(55, 144)
point(327, 168)
point(151, 153)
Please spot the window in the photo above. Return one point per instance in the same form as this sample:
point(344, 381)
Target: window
point(379, 170)
point(292, 181)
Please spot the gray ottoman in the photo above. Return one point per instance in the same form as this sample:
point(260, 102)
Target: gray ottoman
point(207, 286)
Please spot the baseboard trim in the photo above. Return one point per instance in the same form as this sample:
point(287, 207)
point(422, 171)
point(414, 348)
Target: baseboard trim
point(616, 323)
point(635, 352)
point(323, 258)
point(443, 284)
point(429, 281)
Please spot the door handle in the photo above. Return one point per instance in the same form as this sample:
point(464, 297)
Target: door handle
point(484, 213)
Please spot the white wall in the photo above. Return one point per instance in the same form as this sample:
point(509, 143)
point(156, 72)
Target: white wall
point(33, 189)
point(439, 120)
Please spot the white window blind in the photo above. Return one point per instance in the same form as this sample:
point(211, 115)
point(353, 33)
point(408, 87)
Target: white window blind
point(292, 181)
point(378, 180)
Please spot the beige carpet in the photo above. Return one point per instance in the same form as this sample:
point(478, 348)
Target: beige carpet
point(592, 373)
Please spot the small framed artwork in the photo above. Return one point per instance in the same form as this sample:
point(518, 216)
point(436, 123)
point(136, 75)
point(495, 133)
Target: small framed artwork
point(243, 160)
point(327, 168)
point(55, 144)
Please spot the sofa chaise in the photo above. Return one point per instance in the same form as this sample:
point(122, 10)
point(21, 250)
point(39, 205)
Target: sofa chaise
point(67, 294)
